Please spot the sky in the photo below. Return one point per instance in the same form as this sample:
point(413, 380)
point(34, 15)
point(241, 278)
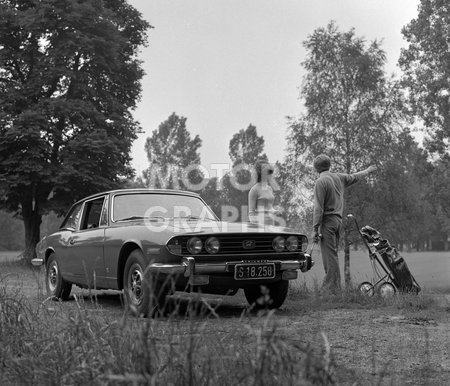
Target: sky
point(226, 64)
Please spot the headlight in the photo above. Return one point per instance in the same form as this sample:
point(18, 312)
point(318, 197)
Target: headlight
point(212, 245)
point(292, 243)
point(174, 246)
point(278, 243)
point(304, 242)
point(194, 245)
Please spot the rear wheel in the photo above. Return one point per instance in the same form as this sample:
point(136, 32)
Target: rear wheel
point(56, 286)
point(269, 296)
point(366, 288)
point(386, 290)
point(144, 295)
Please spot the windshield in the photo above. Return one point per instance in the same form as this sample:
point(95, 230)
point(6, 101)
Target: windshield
point(159, 206)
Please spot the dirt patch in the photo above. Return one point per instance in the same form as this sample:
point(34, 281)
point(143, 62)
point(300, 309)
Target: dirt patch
point(387, 348)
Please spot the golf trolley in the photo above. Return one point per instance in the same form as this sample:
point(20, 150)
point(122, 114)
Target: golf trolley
point(394, 274)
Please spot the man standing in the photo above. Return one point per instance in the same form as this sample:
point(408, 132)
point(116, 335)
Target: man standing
point(327, 218)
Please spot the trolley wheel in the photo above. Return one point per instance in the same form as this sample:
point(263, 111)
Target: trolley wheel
point(386, 290)
point(366, 288)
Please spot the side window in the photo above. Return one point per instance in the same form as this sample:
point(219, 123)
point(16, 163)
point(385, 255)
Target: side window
point(73, 218)
point(92, 212)
point(104, 215)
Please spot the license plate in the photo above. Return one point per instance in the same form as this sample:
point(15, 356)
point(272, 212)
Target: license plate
point(254, 271)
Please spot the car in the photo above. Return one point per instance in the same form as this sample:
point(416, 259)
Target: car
point(150, 243)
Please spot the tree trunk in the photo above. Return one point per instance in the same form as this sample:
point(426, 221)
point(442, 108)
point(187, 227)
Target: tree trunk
point(347, 260)
point(32, 221)
point(346, 224)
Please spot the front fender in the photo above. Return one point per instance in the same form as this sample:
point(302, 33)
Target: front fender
point(41, 248)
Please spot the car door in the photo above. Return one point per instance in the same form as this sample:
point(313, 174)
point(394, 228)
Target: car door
point(61, 240)
point(85, 256)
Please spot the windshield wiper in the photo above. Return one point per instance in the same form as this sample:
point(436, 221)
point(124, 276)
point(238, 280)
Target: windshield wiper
point(195, 218)
point(131, 218)
point(157, 218)
point(152, 218)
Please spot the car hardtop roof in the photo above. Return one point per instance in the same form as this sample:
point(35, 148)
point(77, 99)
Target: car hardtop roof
point(141, 190)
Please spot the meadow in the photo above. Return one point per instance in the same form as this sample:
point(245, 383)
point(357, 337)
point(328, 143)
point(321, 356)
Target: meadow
point(430, 269)
point(313, 339)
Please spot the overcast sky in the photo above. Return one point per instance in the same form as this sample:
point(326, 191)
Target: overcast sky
point(225, 64)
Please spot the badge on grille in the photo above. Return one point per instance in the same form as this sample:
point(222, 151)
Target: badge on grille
point(248, 244)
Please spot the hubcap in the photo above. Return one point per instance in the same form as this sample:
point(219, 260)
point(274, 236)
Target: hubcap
point(366, 289)
point(52, 276)
point(135, 289)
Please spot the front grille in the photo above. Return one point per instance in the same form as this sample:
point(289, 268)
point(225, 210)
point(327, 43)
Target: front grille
point(235, 244)
point(232, 244)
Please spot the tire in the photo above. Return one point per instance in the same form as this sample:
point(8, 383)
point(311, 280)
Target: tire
point(144, 296)
point(366, 288)
point(386, 290)
point(56, 286)
point(269, 296)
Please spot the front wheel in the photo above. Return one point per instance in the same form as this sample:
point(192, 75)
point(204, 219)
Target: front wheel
point(269, 296)
point(144, 295)
point(56, 286)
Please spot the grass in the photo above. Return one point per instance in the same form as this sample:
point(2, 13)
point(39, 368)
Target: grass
point(46, 342)
point(431, 269)
point(85, 341)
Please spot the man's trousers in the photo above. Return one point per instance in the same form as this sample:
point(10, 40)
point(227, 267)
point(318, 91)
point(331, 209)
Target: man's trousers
point(331, 229)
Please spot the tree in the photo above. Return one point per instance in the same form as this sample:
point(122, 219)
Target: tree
point(172, 155)
point(438, 196)
point(426, 70)
point(426, 76)
point(398, 203)
point(245, 148)
point(69, 79)
point(350, 107)
point(212, 196)
point(12, 234)
point(296, 197)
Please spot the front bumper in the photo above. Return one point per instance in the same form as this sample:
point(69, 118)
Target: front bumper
point(192, 270)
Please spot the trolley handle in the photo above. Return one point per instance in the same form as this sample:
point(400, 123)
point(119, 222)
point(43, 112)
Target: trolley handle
point(350, 216)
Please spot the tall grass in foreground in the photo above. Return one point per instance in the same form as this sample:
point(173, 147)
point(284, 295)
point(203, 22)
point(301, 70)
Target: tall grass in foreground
point(47, 344)
point(78, 342)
